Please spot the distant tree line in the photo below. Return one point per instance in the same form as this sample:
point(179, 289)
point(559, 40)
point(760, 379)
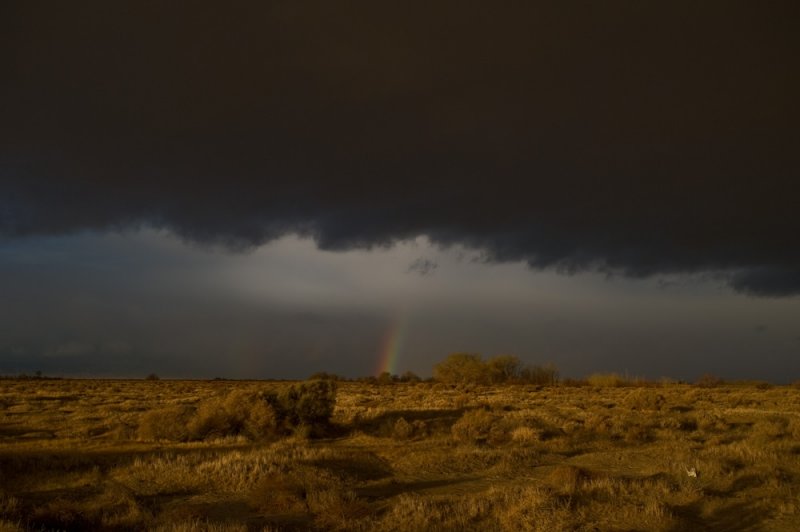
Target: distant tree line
point(466, 368)
point(499, 369)
point(24, 376)
point(383, 378)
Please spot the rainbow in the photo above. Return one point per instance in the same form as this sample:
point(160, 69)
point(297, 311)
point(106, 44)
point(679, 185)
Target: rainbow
point(392, 344)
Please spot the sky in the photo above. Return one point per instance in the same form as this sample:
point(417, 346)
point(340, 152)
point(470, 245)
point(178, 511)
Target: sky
point(271, 189)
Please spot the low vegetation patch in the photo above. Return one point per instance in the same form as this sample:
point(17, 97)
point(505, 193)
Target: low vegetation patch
point(304, 408)
point(230, 455)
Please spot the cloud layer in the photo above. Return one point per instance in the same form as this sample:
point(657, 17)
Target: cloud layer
point(642, 139)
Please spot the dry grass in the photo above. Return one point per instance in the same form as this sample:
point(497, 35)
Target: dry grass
point(192, 456)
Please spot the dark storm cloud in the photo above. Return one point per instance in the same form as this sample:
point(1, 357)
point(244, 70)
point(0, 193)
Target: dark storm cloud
point(636, 137)
point(769, 281)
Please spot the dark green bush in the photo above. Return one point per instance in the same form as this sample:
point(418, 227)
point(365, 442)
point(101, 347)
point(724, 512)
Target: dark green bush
point(308, 404)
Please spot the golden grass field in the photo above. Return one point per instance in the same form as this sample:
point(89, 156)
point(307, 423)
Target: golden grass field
point(91, 455)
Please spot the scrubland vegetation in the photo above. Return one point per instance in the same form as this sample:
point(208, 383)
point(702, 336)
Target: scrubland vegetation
point(609, 454)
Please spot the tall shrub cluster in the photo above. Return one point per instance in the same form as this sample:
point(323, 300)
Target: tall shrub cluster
point(472, 368)
point(308, 404)
point(305, 407)
point(238, 413)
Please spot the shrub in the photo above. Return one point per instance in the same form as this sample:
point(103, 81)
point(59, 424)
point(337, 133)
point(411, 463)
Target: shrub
point(261, 422)
point(709, 381)
point(303, 408)
point(634, 433)
point(241, 412)
point(606, 380)
point(402, 429)
point(336, 508)
point(323, 375)
point(151, 377)
point(574, 383)
point(410, 376)
point(547, 374)
point(308, 403)
point(567, 479)
point(281, 493)
point(469, 368)
point(461, 368)
point(503, 368)
point(644, 399)
point(474, 426)
point(525, 435)
point(210, 421)
point(386, 378)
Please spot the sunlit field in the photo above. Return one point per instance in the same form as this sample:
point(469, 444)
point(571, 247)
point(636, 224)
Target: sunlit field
point(235, 455)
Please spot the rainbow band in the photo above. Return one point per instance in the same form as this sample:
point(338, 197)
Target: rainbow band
point(392, 344)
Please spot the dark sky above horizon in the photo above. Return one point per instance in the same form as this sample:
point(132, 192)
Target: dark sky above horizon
point(272, 188)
